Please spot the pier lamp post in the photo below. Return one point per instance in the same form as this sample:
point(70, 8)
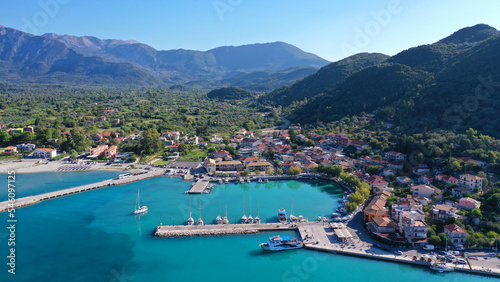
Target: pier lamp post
point(173, 221)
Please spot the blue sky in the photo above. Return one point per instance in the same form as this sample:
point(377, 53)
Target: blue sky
point(332, 29)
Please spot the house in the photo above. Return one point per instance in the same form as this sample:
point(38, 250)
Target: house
point(29, 129)
point(261, 166)
point(457, 234)
point(102, 118)
point(471, 182)
point(26, 147)
point(469, 203)
point(448, 179)
point(210, 165)
point(394, 156)
point(229, 166)
point(403, 180)
point(45, 153)
point(376, 181)
point(376, 208)
point(396, 165)
point(382, 225)
point(459, 191)
point(98, 151)
point(465, 159)
point(426, 179)
point(10, 149)
point(89, 122)
point(421, 169)
point(116, 121)
point(360, 145)
point(220, 154)
point(443, 212)
point(111, 152)
point(413, 226)
point(422, 190)
point(19, 130)
point(249, 160)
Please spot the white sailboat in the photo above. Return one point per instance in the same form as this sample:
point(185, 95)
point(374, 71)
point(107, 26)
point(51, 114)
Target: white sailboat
point(257, 218)
point(293, 218)
point(244, 219)
point(225, 220)
point(219, 218)
point(190, 219)
point(200, 221)
point(138, 208)
point(250, 217)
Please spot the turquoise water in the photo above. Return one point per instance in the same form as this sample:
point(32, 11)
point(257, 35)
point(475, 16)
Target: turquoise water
point(93, 236)
point(39, 183)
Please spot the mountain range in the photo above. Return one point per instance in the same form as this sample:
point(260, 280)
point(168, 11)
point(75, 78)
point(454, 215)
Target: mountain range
point(89, 60)
point(451, 84)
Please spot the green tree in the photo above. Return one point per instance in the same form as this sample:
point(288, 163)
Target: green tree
point(373, 170)
point(279, 171)
point(150, 141)
point(133, 158)
point(476, 213)
point(294, 170)
point(435, 240)
point(79, 140)
point(249, 125)
point(245, 173)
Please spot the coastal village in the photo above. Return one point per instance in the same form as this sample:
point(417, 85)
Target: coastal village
point(424, 208)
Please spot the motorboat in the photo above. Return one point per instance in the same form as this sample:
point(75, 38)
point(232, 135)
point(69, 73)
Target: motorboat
point(278, 243)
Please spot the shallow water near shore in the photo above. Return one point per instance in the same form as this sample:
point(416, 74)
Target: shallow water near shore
point(93, 236)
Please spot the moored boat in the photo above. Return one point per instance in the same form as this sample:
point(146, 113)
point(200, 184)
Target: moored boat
point(282, 216)
point(441, 267)
point(278, 243)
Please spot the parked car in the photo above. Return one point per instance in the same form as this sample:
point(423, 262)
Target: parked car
point(428, 247)
point(443, 253)
point(456, 253)
point(450, 257)
point(461, 261)
point(460, 248)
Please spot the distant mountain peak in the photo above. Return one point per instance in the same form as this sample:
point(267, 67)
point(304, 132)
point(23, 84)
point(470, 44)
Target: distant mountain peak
point(472, 34)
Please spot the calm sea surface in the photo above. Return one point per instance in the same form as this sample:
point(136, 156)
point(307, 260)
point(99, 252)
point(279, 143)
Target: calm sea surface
point(93, 236)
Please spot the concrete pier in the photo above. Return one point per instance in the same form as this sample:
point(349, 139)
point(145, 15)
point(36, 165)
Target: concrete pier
point(224, 229)
point(30, 200)
point(199, 186)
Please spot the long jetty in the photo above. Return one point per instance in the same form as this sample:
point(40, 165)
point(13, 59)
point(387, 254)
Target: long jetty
point(223, 229)
point(31, 200)
point(199, 186)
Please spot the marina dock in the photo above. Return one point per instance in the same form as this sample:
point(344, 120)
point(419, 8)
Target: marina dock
point(199, 186)
point(224, 229)
point(30, 200)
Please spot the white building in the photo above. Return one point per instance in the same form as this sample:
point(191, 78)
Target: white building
point(471, 182)
point(45, 153)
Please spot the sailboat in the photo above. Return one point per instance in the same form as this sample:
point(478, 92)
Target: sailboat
point(243, 219)
point(219, 218)
point(190, 219)
point(138, 208)
point(225, 220)
point(250, 217)
point(293, 218)
point(200, 221)
point(257, 218)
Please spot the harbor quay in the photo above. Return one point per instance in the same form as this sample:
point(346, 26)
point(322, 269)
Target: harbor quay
point(31, 200)
point(225, 229)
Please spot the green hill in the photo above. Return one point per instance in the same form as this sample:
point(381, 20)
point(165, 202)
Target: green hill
point(230, 93)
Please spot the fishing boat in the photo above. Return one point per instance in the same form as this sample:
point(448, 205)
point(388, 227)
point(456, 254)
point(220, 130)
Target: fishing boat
point(200, 221)
point(441, 267)
point(267, 180)
point(282, 216)
point(278, 243)
point(260, 180)
point(190, 220)
point(138, 208)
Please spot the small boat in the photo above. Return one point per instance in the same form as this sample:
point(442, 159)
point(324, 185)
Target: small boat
point(441, 267)
point(282, 216)
point(335, 215)
point(138, 208)
point(244, 218)
point(260, 180)
point(248, 180)
point(278, 243)
point(224, 219)
point(200, 221)
point(319, 218)
point(220, 181)
point(226, 180)
point(190, 220)
point(267, 180)
point(250, 217)
point(257, 218)
point(219, 218)
point(293, 218)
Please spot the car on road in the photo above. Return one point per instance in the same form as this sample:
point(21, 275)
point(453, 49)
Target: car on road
point(398, 253)
point(456, 253)
point(443, 253)
point(492, 254)
point(461, 261)
point(428, 247)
